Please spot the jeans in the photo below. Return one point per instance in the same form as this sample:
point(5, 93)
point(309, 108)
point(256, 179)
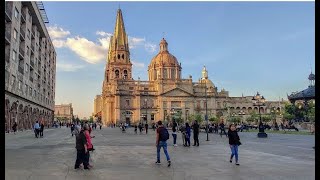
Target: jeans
point(187, 141)
point(162, 144)
point(196, 138)
point(234, 152)
point(224, 131)
point(174, 138)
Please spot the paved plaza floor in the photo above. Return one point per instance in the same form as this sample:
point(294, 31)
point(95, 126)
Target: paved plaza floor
point(124, 156)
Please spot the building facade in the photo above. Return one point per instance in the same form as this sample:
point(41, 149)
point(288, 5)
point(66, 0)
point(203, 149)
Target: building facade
point(30, 65)
point(165, 94)
point(63, 112)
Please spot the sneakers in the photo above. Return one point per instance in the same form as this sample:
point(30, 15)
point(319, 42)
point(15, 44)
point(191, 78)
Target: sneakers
point(158, 162)
point(175, 145)
point(230, 161)
point(237, 164)
point(169, 163)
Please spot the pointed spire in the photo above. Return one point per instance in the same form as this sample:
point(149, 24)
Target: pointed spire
point(204, 73)
point(120, 36)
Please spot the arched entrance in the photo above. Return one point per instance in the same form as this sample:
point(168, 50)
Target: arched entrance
point(13, 114)
point(20, 118)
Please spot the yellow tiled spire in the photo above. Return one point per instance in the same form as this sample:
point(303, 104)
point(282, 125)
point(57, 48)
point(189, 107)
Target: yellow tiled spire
point(120, 36)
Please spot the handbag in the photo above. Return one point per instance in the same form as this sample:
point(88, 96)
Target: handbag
point(239, 143)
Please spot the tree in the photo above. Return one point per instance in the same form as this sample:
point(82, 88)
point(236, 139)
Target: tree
point(254, 117)
point(234, 119)
point(213, 119)
point(266, 118)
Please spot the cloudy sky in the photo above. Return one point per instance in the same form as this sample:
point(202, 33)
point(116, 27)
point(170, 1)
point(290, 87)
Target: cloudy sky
point(247, 46)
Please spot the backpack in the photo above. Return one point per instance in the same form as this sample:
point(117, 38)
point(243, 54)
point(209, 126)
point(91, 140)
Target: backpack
point(164, 134)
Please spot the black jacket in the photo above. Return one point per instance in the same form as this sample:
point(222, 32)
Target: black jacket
point(234, 138)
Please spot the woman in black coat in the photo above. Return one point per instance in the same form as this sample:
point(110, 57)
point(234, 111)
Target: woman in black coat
point(234, 142)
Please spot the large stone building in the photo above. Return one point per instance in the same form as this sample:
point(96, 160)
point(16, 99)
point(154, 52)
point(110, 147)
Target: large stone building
point(165, 94)
point(63, 112)
point(30, 65)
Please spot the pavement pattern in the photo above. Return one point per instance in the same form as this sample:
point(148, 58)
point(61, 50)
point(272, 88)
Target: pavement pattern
point(124, 156)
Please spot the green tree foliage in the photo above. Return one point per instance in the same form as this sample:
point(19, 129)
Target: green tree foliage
point(234, 119)
point(213, 119)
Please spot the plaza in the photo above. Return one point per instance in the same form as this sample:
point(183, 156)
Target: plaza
point(132, 156)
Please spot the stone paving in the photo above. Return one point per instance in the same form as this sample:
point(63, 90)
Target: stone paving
point(122, 156)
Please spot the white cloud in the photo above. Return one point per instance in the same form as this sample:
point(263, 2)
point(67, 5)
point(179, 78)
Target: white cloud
point(57, 32)
point(150, 47)
point(58, 43)
point(68, 67)
point(102, 33)
point(134, 42)
point(88, 50)
point(137, 64)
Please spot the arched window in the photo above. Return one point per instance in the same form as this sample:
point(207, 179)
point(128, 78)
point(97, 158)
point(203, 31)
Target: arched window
point(165, 74)
point(117, 73)
point(122, 56)
point(173, 73)
point(118, 56)
point(125, 76)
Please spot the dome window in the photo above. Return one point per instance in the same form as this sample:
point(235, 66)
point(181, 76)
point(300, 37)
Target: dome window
point(117, 73)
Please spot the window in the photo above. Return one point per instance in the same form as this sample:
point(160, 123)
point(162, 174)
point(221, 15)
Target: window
point(152, 117)
point(30, 91)
point(13, 80)
point(14, 55)
point(16, 13)
point(20, 85)
point(125, 72)
point(26, 88)
point(127, 102)
point(117, 73)
point(15, 32)
point(173, 73)
point(165, 74)
point(27, 67)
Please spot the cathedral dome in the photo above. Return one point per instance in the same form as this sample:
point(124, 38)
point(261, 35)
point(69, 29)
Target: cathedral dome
point(164, 58)
point(164, 65)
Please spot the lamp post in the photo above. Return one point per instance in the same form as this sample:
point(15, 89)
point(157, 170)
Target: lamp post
point(146, 104)
point(260, 101)
point(206, 116)
point(241, 113)
point(172, 112)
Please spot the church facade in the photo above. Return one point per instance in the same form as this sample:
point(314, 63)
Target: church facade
point(166, 94)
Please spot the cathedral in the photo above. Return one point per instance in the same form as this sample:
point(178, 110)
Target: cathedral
point(165, 95)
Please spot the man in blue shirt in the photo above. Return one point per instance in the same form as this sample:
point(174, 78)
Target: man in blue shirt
point(36, 128)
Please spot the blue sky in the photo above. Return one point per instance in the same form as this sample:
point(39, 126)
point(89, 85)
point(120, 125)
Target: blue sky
point(247, 46)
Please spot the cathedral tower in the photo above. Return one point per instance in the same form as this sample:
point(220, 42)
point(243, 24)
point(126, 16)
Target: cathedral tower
point(118, 65)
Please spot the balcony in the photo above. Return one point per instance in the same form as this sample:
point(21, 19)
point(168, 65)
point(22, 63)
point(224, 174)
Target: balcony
point(22, 34)
point(20, 69)
point(23, 17)
point(32, 62)
point(8, 11)
point(21, 51)
point(8, 35)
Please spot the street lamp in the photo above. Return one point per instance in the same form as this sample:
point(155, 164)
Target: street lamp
point(146, 103)
point(241, 113)
point(172, 112)
point(206, 116)
point(260, 101)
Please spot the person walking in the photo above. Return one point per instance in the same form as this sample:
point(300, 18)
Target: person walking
point(188, 133)
point(146, 127)
point(174, 133)
point(161, 141)
point(140, 128)
point(82, 150)
point(89, 144)
point(195, 127)
point(135, 128)
point(234, 142)
point(100, 126)
point(222, 129)
point(72, 129)
point(36, 128)
point(14, 127)
point(41, 129)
